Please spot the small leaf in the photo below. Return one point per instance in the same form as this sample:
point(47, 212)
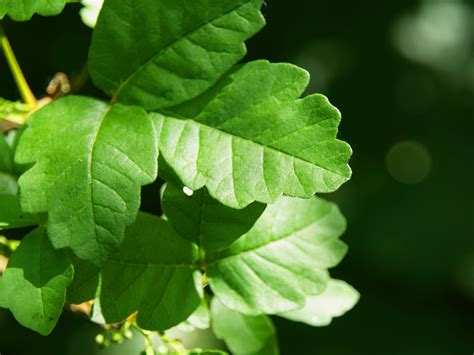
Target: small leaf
point(251, 139)
point(338, 298)
point(11, 215)
point(153, 274)
point(162, 53)
point(204, 221)
point(281, 260)
point(34, 284)
point(200, 319)
point(243, 334)
point(91, 160)
point(23, 10)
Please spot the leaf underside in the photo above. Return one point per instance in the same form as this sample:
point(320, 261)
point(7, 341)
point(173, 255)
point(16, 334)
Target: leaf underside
point(244, 334)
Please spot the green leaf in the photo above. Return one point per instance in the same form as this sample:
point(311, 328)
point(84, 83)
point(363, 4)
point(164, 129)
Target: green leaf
point(11, 215)
point(165, 52)
point(8, 184)
point(23, 10)
point(204, 221)
point(86, 281)
point(91, 160)
point(243, 334)
point(200, 319)
point(34, 284)
point(338, 298)
point(281, 260)
point(6, 155)
point(153, 274)
point(251, 138)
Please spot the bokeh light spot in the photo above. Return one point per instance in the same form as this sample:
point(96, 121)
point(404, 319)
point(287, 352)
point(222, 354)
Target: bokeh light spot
point(409, 162)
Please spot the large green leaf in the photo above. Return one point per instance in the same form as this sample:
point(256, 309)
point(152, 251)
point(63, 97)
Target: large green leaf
point(153, 274)
point(11, 215)
point(204, 221)
point(86, 281)
point(22, 10)
point(91, 160)
point(243, 334)
point(281, 260)
point(250, 138)
point(338, 298)
point(159, 53)
point(34, 284)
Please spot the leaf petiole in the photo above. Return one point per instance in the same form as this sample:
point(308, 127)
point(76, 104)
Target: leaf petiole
point(17, 73)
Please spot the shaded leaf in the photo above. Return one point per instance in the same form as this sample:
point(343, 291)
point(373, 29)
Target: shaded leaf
point(251, 139)
point(91, 160)
point(243, 334)
point(204, 221)
point(85, 283)
point(159, 53)
point(153, 274)
point(34, 284)
point(281, 260)
point(338, 298)
point(11, 215)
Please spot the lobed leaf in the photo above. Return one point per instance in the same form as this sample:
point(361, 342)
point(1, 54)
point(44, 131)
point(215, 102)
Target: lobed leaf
point(281, 260)
point(90, 162)
point(160, 53)
point(251, 139)
point(34, 284)
point(203, 220)
point(243, 334)
point(23, 10)
point(338, 298)
point(153, 273)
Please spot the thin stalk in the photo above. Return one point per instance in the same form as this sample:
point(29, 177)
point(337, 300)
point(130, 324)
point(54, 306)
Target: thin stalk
point(20, 80)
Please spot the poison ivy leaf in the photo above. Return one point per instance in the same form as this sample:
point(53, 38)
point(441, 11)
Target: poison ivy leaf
point(23, 10)
point(203, 220)
point(250, 138)
point(243, 334)
point(91, 160)
point(34, 284)
point(11, 215)
point(165, 52)
point(153, 274)
point(86, 281)
point(338, 298)
point(281, 260)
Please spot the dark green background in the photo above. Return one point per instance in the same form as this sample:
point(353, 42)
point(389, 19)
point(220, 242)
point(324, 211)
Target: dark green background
point(411, 245)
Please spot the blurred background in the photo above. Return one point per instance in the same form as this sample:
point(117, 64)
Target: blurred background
point(402, 74)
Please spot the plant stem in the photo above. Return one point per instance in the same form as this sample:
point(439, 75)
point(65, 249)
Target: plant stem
point(20, 80)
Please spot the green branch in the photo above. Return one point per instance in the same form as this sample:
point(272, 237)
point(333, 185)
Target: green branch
point(20, 80)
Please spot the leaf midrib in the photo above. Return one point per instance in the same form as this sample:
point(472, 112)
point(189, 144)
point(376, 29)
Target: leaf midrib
point(161, 51)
